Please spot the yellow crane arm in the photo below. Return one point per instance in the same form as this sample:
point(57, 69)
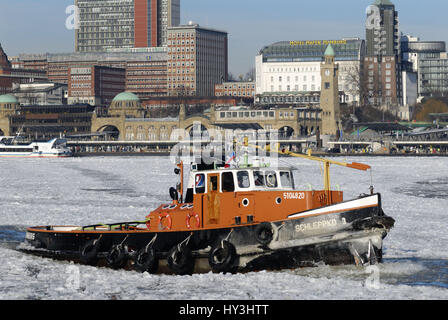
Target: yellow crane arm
point(327, 162)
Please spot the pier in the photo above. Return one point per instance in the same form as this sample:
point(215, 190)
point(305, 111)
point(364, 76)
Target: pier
point(335, 148)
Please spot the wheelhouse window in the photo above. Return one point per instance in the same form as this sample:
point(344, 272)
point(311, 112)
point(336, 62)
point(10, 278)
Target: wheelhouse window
point(199, 184)
point(259, 178)
point(228, 184)
point(243, 179)
point(286, 179)
point(271, 179)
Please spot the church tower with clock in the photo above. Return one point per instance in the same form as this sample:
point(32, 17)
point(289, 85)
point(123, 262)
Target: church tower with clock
point(329, 95)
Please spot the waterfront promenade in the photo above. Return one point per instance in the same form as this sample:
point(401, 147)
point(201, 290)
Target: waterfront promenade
point(334, 148)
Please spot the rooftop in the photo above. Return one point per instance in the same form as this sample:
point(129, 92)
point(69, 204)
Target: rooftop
point(143, 54)
point(329, 51)
point(383, 3)
point(126, 96)
point(313, 50)
point(192, 25)
point(8, 98)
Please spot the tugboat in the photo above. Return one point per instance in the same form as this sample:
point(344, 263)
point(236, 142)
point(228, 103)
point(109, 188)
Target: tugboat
point(232, 219)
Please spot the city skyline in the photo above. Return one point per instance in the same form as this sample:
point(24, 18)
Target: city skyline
point(251, 24)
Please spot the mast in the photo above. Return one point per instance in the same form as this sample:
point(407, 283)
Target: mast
point(308, 156)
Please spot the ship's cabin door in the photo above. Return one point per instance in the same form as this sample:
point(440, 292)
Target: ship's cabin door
point(213, 203)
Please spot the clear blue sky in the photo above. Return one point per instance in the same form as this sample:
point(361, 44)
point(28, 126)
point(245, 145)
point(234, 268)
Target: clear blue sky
point(35, 26)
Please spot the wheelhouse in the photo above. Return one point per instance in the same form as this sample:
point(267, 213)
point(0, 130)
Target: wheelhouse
point(239, 180)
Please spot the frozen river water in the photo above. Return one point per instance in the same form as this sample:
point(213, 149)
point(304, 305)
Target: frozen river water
point(111, 189)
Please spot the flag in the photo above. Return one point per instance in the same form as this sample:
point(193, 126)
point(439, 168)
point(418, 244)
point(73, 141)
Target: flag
point(232, 157)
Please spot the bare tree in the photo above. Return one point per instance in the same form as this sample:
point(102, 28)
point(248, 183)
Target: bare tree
point(231, 77)
point(250, 75)
point(356, 83)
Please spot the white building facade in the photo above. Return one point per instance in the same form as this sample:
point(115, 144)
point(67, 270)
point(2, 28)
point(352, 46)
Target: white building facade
point(289, 72)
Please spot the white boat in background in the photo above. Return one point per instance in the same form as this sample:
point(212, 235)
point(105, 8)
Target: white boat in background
point(55, 148)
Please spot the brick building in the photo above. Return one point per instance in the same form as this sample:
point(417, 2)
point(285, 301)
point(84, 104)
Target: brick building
point(382, 76)
point(197, 60)
point(146, 73)
point(95, 85)
point(235, 89)
point(10, 76)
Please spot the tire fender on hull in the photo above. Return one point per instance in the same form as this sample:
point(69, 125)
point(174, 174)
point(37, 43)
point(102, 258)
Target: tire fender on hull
point(146, 260)
point(89, 252)
point(180, 260)
point(222, 257)
point(264, 233)
point(374, 222)
point(117, 257)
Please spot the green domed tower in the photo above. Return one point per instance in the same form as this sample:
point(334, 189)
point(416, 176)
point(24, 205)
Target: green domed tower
point(9, 105)
point(126, 104)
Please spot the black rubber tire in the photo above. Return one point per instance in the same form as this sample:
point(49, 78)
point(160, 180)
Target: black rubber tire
point(180, 260)
point(222, 257)
point(264, 233)
point(374, 222)
point(88, 253)
point(146, 261)
point(117, 258)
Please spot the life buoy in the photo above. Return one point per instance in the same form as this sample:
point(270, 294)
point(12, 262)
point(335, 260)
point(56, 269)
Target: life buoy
point(222, 257)
point(180, 260)
point(148, 223)
point(89, 252)
point(196, 216)
point(166, 216)
point(146, 260)
point(264, 233)
point(116, 257)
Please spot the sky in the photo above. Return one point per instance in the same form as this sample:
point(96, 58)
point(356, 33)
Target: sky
point(38, 26)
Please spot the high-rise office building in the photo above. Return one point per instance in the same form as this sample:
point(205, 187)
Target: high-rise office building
point(382, 67)
point(113, 24)
point(197, 60)
point(429, 60)
point(382, 29)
